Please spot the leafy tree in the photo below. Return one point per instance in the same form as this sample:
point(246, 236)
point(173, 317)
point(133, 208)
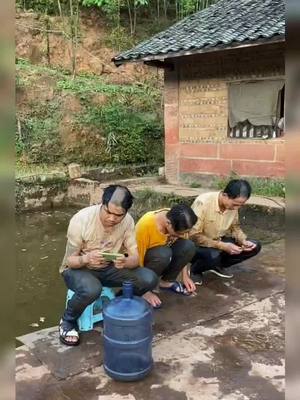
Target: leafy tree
point(42, 6)
point(159, 9)
point(111, 8)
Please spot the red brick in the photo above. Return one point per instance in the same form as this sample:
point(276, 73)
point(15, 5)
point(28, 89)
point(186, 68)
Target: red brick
point(172, 150)
point(221, 167)
point(172, 163)
point(259, 168)
point(171, 95)
point(248, 151)
point(171, 87)
point(171, 125)
point(292, 151)
point(201, 150)
point(293, 166)
point(280, 152)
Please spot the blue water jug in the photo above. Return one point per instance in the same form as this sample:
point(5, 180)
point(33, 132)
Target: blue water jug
point(127, 322)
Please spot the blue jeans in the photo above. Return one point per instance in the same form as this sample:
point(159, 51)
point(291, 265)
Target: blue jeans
point(168, 261)
point(209, 257)
point(87, 285)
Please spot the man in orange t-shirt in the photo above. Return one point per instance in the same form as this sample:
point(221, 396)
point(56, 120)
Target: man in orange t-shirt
point(164, 248)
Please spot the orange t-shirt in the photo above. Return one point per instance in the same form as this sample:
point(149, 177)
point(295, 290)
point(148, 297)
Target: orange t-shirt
point(148, 235)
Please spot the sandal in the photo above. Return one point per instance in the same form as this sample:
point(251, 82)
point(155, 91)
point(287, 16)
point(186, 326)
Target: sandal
point(178, 288)
point(65, 333)
point(157, 307)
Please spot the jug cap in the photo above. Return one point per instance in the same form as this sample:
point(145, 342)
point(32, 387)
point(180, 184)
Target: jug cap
point(127, 289)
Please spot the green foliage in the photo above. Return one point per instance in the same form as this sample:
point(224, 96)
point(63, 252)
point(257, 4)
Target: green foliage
point(128, 134)
point(120, 128)
point(187, 7)
point(143, 97)
point(93, 3)
point(127, 15)
point(23, 171)
point(260, 186)
point(195, 185)
point(38, 138)
point(146, 200)
point(119, 40)
point(90, 84)
point(31, 70)
point(41, 6)
point(110, 7)
point(136, 139)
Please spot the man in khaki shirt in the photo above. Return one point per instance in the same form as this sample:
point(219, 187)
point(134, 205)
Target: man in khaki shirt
point(220, 240)
point(94, 230)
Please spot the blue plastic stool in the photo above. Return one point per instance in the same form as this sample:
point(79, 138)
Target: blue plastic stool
point(93, 312)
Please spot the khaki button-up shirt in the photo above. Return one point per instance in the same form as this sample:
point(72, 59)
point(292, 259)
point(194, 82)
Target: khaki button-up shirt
point(213, 224)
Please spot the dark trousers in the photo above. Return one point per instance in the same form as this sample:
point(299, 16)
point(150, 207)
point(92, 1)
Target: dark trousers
point(168, 261)
point(87, 285)
point(209, 257)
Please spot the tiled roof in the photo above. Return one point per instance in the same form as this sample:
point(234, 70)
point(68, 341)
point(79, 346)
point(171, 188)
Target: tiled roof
point(224, 24)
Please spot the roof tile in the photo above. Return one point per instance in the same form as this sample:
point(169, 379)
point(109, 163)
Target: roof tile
point(224, 23)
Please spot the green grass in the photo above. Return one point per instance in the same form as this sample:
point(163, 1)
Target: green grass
point(260, 186)
point(147, 200)
point(118, 130)
point(31, 70)
point(25, 170)
point(195, 185)
point(85, 83)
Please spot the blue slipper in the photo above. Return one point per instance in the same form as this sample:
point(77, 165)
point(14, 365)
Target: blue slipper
point(178, 288)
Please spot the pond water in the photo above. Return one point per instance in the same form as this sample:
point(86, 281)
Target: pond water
point(40, 246)
point(41, 240)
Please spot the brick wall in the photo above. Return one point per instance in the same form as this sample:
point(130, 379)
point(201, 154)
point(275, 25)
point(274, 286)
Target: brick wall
point(255, 158)
point(196, 114)
point(172, 144)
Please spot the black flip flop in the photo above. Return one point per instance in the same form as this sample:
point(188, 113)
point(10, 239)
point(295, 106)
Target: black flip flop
point(64, 333)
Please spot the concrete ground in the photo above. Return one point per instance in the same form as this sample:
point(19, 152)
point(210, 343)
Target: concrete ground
point(83, 190)
point(185, 191)
point(225, 343)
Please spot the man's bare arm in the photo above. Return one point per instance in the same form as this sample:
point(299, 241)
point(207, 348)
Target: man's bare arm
point(91, 260)
point(73, 259)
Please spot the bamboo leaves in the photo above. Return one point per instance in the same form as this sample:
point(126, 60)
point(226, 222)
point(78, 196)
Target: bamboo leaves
point(137, 8)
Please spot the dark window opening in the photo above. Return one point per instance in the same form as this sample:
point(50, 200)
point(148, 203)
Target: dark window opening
point(256, 110)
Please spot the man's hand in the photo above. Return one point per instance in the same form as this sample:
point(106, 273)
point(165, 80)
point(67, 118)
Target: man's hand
point(231, 248)
point(95, 260)
point(248, 246)
point(171, 239)
point(120, 261)
point(189, 284)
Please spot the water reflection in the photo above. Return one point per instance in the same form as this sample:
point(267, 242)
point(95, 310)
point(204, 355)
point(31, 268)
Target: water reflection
point(40, 245)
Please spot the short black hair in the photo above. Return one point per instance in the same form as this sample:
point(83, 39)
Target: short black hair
point(182, 217)
point(238, 188)
point(118, 195)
